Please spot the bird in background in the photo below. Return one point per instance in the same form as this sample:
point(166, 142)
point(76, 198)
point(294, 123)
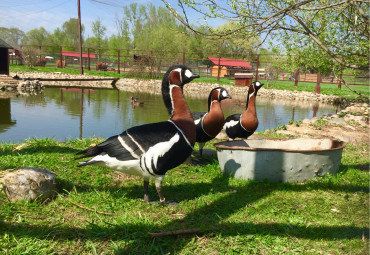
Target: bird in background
point(151, 150)
point(209, 124)
point(135, 101)
point(244, 125)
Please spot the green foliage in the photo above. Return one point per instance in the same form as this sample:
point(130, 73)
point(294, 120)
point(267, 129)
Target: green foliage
point(12, 36)
point(296, 122)
point(35, 37)
point(320, 123)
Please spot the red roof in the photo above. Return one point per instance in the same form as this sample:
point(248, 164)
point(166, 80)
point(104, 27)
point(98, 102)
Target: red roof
point(77, 54)
point(230, 62)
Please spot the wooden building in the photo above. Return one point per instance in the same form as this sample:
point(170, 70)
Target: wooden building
point(4, 57)
point(225, 67)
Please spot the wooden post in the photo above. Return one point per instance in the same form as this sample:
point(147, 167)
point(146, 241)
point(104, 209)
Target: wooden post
point(79, 36)
point(183, 58)
point(40, 54)
point(257, 64)
point(317, 88)
point(118, 60)
point(219, 68)
point(61, 56)
point(340, 79)
point(296, 78)
point(88, 59)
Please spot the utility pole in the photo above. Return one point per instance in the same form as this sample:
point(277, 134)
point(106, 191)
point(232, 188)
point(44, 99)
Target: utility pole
point(79, 36)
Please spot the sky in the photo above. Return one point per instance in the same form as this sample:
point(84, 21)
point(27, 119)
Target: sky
point(51, 14)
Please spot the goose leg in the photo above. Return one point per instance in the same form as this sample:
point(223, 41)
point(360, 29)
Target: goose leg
point(158, 186)
point(146, 191)
point(201, 145)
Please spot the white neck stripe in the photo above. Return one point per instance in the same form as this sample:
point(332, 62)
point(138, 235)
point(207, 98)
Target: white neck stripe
point(186, 139)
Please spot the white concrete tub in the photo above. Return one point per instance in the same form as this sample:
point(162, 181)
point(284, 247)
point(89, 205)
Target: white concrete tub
point(282, 160)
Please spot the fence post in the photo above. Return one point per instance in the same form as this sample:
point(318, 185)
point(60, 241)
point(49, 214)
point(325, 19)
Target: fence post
point(61, 56)
point(118, 60)
point(296, 78)
point(20, 55)
point(317, 88)
point(183, 58)
point(219, 68)
point(340, 78)
point(257, 64)
point(88, 59)
point(40, 50)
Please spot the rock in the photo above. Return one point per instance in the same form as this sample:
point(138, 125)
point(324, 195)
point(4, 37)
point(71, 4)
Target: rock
point(306, 121)
point(314, 119)
point(29, 184)
point(338, 121)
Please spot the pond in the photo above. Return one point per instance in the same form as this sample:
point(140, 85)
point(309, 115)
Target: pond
point(68, 113)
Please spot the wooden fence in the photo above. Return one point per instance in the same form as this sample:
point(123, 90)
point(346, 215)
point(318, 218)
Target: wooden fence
point(263, 66)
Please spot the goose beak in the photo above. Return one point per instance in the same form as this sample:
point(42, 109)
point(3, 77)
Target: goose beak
point(194, 76)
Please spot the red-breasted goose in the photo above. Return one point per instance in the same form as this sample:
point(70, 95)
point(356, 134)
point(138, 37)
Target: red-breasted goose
point(209, 124)
point(151, 150)
point(244, 125)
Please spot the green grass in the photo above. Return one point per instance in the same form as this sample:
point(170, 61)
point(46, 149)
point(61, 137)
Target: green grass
point(326, 89)
point(328, 215)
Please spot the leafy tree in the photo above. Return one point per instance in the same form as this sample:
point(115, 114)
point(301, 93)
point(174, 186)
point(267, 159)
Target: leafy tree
point(12, 36)
point(338, 28)
point(131, 24)
point(99, 32)
point(70, 29)
point(35, 36)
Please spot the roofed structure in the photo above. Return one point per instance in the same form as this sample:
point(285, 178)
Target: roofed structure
point(226, 67)
point(230, 62)
point(77, 54)
point(4, 57)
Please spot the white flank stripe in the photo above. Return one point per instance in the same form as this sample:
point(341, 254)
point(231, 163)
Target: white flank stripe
point(127, 166)
point(159, 150)
point(137, 144)
point(124, 145)
point(231, 123)
point(196, 121)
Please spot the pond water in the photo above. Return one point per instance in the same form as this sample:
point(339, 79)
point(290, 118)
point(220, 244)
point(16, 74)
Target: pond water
point(64, 114)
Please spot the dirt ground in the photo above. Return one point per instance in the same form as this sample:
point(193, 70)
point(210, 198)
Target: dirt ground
point(351, 125)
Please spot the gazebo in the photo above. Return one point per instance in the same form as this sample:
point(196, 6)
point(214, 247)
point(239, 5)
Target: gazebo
point(4, 57)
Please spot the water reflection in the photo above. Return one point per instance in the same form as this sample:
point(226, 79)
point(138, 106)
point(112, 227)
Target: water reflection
point(6, 121)
point(66, 113)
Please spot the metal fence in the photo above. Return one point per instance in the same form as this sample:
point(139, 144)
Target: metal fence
point(155, 62)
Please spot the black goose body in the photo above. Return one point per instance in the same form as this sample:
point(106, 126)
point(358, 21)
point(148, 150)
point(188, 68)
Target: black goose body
point(154, 148)
point(244, 125)
point(151, 150)
point(237, 130)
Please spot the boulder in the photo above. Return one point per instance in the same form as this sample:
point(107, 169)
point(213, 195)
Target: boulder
point(29, 184)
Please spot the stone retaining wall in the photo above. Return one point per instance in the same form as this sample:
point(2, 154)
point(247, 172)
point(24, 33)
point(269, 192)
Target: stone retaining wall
point(195, 89)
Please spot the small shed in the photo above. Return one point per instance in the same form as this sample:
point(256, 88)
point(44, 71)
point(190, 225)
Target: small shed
point(4, 57)
point(228, 67)
point(243, 79)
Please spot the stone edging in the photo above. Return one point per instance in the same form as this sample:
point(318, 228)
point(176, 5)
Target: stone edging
point(196, 88)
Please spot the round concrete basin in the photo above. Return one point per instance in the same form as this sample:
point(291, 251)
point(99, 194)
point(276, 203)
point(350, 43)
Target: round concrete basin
point(280, 160)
